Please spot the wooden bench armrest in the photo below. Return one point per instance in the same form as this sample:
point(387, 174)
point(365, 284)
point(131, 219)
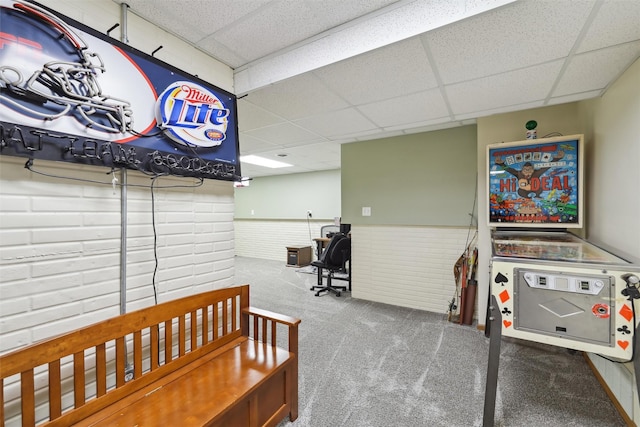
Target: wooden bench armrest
point(264, 318)
point(261, 320)
point(276, 317)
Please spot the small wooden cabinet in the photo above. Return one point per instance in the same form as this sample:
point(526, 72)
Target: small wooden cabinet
point(298, 256)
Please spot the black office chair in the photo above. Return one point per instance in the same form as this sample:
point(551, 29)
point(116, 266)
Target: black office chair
point(329, 230)
point(334, 259)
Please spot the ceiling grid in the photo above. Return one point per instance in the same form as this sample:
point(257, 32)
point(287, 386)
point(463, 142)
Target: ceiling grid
point(320, 73)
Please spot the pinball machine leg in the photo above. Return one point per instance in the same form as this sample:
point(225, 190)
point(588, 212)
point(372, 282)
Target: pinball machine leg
point(495, 319)
point(636, 352)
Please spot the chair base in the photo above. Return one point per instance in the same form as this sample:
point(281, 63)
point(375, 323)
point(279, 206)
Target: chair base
point(328, 288)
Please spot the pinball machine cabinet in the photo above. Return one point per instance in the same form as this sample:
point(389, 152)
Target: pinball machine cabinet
point(558, 289)
point(561, 290)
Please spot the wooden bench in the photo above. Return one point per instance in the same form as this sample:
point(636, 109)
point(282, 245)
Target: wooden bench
point(207, 359)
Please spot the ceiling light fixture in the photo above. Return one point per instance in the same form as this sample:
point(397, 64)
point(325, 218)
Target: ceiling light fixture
point(261, 161)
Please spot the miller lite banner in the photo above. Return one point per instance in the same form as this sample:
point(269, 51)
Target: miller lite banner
point(536, 183)
point(69, 93)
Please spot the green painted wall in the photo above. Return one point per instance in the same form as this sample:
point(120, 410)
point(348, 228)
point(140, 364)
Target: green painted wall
point(290, 196)
point(420, 179)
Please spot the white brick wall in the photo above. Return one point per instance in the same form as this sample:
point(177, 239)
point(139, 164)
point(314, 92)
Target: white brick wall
point(60, 246)
point(268, 239)
point(408, 266)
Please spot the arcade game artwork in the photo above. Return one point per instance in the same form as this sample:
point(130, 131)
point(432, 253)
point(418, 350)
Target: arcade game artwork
point(537, 183)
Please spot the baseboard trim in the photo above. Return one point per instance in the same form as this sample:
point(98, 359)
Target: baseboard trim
point(607, 390)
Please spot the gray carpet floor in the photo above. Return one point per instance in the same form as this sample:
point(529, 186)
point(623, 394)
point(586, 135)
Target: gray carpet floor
point(369, 364)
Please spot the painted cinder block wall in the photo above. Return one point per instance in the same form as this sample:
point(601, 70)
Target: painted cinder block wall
point(60, 238)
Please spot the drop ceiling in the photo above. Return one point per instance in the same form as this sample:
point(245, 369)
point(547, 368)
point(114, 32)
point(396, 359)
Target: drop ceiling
point(311, 75)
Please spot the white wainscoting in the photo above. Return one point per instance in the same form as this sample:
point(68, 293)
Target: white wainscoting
point(409, 266)
point(619, 378)
point(268, 239)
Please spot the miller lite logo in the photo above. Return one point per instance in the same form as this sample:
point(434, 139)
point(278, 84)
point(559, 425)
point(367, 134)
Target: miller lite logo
point(191, 115)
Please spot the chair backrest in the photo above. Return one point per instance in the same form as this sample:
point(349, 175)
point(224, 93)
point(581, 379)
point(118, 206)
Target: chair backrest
point(340, 253)
point(325, 255)
point(326, 229)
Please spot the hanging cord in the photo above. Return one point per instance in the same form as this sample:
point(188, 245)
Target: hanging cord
point(309, 227)
point(155, 239)
point(113, 183)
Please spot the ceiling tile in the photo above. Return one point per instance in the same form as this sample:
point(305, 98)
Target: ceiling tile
point(287, 22)
point(398, 69)
point(594, 70)
point(251, 116)
point(406, 109)
point(252, 145)
point(297, 97)
point(625, 14)
point(184, 19)
point(509, 38)
point(336, 123)
point(499, 110)
point(283, 133)
point(512, 88)
point(221, 52)
point(416, 126)
point(574, 97)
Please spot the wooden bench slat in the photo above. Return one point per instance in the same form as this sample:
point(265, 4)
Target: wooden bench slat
point(216, 320)
point(225, 318)
point(137, 354)
point(182, 339)
point(55, 390)
point(101, 369)
point(194, 330)
point(121, 361)
point(234, 314)
point(273, 332)
point(155, 347)
point(264, 330)
point(168, 341)
point(28, 398)
point(205, 325)
point(78, 379)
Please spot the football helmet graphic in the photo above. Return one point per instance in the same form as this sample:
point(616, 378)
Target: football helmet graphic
point(47, 71)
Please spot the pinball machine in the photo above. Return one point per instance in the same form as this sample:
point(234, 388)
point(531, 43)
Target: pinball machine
point(547, 284)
